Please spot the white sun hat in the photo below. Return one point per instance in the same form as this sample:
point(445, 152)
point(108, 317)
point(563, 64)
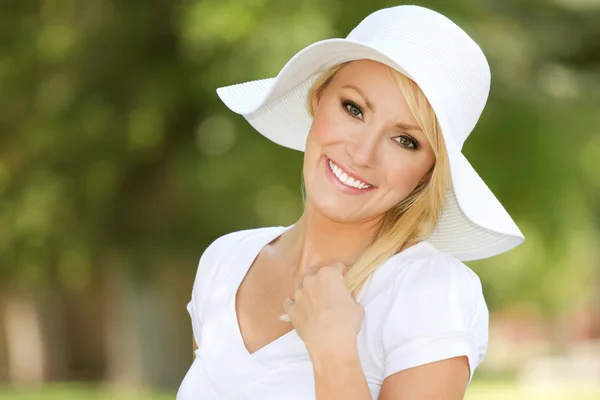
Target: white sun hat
point(454, 75)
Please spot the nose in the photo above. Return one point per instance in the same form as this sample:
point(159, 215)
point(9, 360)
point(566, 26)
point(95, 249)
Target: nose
point(362, 149)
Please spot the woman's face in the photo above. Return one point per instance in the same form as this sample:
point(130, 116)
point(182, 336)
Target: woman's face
point(363, 130)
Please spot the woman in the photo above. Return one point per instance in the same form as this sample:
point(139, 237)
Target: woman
point(370, 281)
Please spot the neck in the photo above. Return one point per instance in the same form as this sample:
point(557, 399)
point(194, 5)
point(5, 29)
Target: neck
point(317, 240)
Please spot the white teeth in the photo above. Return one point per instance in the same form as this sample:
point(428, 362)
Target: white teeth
point(345, 179)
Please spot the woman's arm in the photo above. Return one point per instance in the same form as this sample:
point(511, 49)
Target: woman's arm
point(195, 347)
point(327, 318)
point(440, 380)
point(340, 377)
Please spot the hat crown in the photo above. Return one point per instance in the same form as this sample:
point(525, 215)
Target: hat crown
point(458, 64)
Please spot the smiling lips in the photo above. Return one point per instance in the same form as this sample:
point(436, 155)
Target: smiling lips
point(345, 179)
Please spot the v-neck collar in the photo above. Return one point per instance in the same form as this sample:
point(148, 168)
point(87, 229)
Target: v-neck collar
point(293, 343)
point(224, 355)
point(290, 341)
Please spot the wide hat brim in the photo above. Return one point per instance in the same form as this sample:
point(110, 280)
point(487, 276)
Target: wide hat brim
point(473, 224)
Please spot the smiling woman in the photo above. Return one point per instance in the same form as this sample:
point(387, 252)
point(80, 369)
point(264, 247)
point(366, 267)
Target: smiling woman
point(413, 174)
point(369, 282)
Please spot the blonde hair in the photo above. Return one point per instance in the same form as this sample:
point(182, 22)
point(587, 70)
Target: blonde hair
point(416, 216)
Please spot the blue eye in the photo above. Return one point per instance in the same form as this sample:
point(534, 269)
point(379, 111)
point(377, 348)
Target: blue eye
point(352, 109)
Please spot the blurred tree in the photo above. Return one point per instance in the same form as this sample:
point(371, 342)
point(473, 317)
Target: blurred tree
point(118, 163)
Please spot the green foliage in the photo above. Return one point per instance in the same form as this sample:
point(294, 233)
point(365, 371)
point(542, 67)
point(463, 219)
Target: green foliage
point(114, 145)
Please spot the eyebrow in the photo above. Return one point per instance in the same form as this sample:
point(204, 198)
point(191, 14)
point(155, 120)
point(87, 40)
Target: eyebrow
point(371, 107)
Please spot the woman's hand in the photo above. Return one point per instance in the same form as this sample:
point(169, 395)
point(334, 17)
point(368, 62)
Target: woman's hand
point(324, 313)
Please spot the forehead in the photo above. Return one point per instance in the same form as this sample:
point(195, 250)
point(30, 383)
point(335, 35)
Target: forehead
point(377, 83)
point(368, 72)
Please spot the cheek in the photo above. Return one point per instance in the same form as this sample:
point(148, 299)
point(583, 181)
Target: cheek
point(319, 135)
point(326, 128)
point(403, 177)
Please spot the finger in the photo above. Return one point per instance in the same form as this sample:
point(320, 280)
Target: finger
point(309, 271)
point(340, 266)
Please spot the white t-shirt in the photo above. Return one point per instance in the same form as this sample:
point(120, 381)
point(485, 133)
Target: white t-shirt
point(421, 306)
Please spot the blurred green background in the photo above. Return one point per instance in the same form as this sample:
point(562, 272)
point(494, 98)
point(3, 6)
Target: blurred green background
point(119, 165)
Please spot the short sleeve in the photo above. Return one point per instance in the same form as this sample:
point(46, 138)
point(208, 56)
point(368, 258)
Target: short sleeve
point(438, 312)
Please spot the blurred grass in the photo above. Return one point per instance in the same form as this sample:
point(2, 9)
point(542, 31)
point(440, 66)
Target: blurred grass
point(510, 390)
point(477, 391)
point(81, 391)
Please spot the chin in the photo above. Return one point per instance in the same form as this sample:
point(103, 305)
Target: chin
point(333, 210)
point(337, 215)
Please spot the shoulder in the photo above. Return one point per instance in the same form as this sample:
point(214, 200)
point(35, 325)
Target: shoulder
point(224, 242)
point(436, 310)
point(434, 289)
point(428, 269)
point(223, 245)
